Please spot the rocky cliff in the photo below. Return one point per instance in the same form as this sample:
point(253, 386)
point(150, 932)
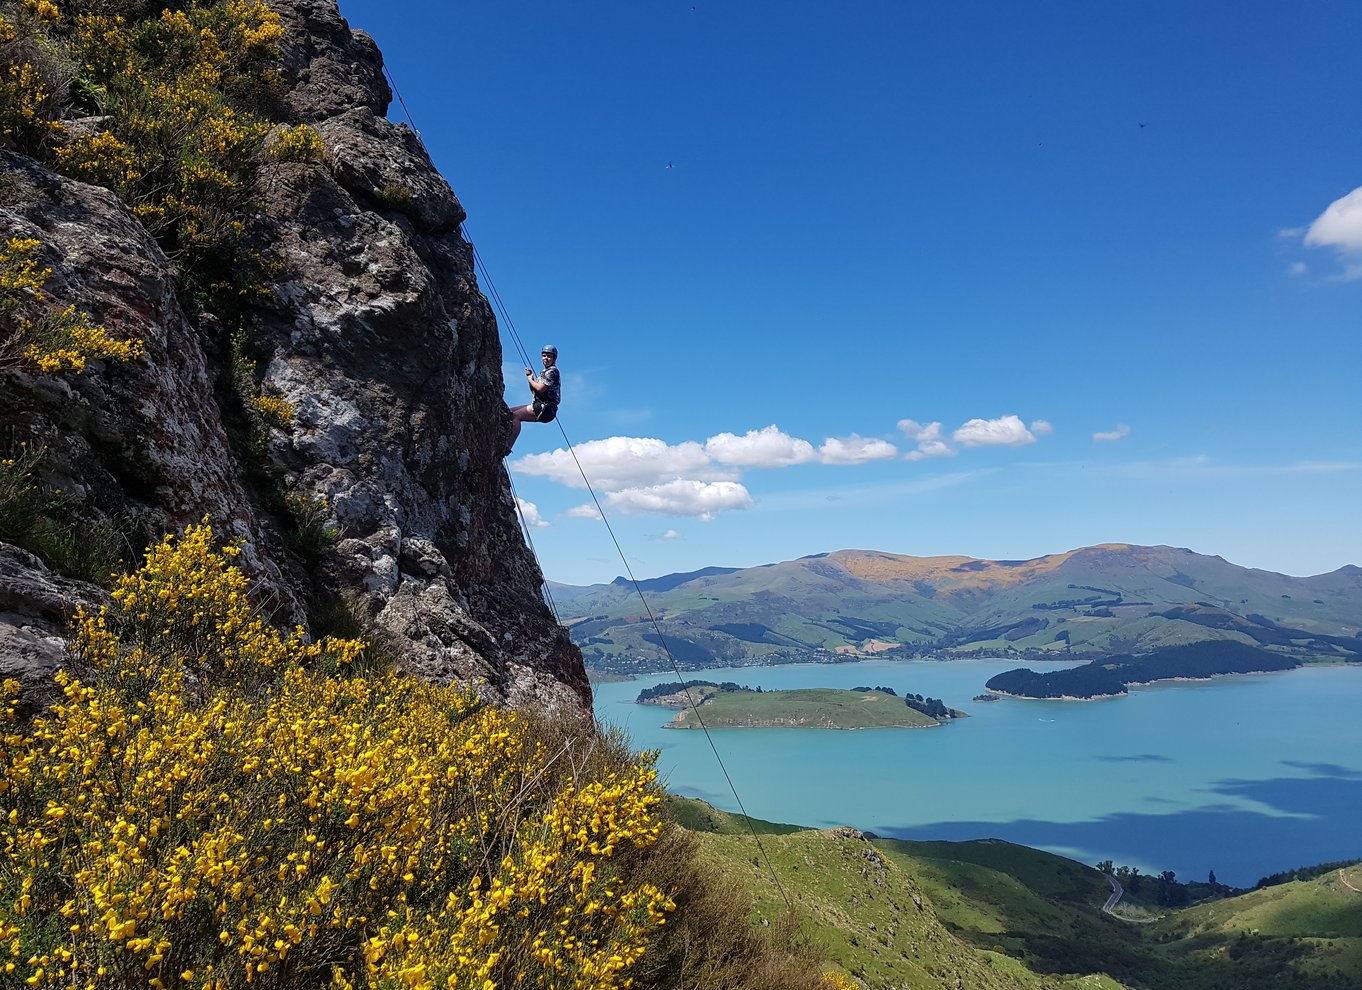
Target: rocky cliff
point(378, 336)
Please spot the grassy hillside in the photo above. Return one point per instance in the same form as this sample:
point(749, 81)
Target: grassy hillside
point(1092, 602)
point(862, 911)
point(920, 914)
point(1314, 925)
point(819, 708)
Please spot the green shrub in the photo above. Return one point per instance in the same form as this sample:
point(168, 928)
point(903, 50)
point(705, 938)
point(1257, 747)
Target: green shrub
point(46, 522)
point(397, 197)
point(308, 533)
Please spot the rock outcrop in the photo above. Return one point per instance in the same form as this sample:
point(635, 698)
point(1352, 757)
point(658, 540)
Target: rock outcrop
point(381, 340)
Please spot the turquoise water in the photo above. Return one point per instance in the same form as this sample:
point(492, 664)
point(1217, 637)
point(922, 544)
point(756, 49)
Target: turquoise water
point(1244, 775)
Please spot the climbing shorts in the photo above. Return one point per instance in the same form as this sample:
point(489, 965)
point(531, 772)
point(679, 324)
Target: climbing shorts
point(544, 412)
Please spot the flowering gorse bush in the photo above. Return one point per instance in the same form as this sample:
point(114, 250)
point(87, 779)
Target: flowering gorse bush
point(34, 332)
point(260, 410)
point(182, 98)
point(839, 981)
point(297, 144)
point(182, 146)
point(219, 803)
point(29, 99)
point(273, 410)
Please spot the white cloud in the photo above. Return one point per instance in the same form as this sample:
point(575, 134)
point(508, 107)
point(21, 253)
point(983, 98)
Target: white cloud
point(1042, 427)
point(531, 513)
point(1119, 433)
point(623, 462)
point(767, 448)
point(1298, 268)
point(855, 449)
point(1006, 431)
point(914, 430)
point(702, 479)
point(670, 534)
point(1340, 225)
point(930, 448)
point(678, 498)
point(928, 437)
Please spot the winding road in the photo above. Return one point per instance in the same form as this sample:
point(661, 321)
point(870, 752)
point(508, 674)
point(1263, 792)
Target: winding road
point(1117, 892)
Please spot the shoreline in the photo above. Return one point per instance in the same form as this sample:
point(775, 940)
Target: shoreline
point(1057, 697)
point(802, 725)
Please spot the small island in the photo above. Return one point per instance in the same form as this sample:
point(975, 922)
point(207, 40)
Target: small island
point(730, 705)
point(1111, 677)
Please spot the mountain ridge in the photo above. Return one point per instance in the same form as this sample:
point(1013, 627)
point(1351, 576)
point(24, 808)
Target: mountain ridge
point(668, 578)
point(1089, 602)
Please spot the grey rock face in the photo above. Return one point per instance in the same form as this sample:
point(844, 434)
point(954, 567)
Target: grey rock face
point(141, 442)
point(330, 68)
point(385, 166)
point(383, 343)
point(35, 608)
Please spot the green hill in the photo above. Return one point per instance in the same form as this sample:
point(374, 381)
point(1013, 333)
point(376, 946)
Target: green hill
point(1090, 603)
point(1313, 926)
point(863, 911)
point(993, 914)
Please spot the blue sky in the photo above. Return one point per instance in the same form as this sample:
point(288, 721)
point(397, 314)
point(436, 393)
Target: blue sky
point(977, 278)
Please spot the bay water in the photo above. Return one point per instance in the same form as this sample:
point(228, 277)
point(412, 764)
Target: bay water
point(1246, 775)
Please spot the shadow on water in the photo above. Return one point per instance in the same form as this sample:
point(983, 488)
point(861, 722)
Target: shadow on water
point(1328, 769)
point(1317, 813)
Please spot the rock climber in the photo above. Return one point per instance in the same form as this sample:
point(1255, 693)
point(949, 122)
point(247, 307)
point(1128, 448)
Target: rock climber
point(547, 390)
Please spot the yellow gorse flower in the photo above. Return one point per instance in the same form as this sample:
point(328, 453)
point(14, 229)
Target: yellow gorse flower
point(839, 981)
point(298, 144)
point(273, 410)
point(219, 802)
point(26, 115)
point(43, 10)
point(52, 340)
point(181, 146)
point(19, 272)
point(180, 88)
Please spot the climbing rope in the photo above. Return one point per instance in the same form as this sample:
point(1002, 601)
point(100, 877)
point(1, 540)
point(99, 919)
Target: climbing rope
point(407, 113)
point(661, 638)
point(506, 321)
point(529, 540)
